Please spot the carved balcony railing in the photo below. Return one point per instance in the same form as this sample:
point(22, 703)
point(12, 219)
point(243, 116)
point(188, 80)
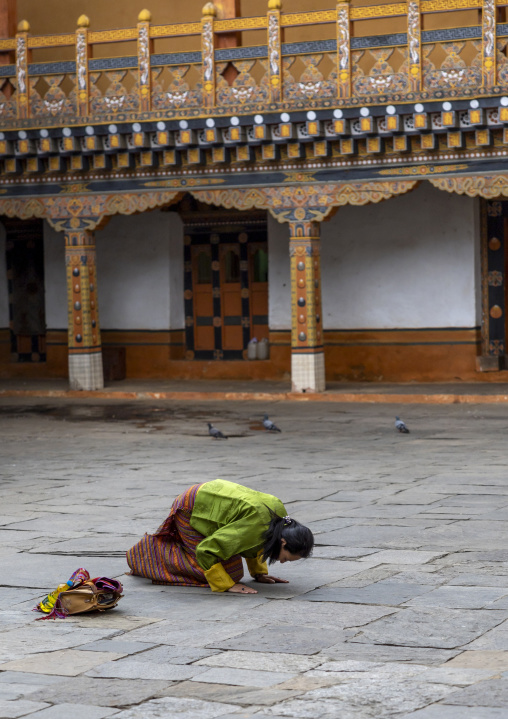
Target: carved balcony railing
point(352, 69)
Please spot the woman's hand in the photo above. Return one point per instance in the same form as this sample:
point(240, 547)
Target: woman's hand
point(267, 579)
point(242, 589)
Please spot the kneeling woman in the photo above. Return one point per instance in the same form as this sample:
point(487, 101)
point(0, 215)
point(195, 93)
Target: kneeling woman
point(210, 528)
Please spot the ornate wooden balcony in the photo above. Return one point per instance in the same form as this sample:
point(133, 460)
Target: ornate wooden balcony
point(351, 70)
point(352, 104)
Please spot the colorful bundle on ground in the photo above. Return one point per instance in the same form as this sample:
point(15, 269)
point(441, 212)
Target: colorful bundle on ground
point(80, 594)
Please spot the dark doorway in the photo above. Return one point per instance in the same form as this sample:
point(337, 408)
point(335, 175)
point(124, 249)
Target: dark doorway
point(226, 282)
point(25, 277)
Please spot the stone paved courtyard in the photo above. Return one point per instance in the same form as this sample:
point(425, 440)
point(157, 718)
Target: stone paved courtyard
point(401, 612)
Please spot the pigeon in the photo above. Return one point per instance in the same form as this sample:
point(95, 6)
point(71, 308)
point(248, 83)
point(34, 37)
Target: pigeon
point(214, 432)
point(269, 425)
point(399, 424)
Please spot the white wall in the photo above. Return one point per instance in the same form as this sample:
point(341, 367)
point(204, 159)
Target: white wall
point(139, 273)
point(409, 262)
point(4, 292)
point(279, 275)
point(55, 279)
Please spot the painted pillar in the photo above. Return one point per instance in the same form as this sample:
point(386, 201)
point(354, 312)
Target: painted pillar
point(84, 337)
point(307, 355)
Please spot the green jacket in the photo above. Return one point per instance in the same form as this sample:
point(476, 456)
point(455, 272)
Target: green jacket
point(233, 520)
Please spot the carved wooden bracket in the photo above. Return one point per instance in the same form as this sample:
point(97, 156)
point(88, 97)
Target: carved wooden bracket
point(487, 186)
point(85, 212)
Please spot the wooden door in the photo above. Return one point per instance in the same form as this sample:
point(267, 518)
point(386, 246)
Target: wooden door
point(226, 289)
point(204, 338)
point(231, 296)
point(258, 289)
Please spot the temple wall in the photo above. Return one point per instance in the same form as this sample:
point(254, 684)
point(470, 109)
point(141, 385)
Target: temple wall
point(54, 278)
point(405, 263)
point(400, 294)
point(279, 278)
point(133, 272)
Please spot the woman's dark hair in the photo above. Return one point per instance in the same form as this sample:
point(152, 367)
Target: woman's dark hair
point(299, 539)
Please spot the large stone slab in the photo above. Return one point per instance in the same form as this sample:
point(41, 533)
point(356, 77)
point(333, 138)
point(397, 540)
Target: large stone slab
point(174, 655)
point(38, 636)
point(291, 639)
point(378, 593)
point(120, 646)
point(231, 694)
point(116, 621)
point(129, 669)
point(242, 677)
point(442, 711)
point(366, 535)
point(456, 676)
point(381, 653)
point(268, 662)
point(29, 679)
point(424, 627)
point(177, 708)
point(403, 556)
point(378, 698)
point(326, 552)
point(18, 708)
point(321, 614)
point(192, 634)
point(459, 597)
point(32, 572)
point(491, 660)
point(66, 710)
point(490, 693)
point(103, 692)
point(65, 662)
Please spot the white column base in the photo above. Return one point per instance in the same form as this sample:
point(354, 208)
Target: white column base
point(85, 371)
point(308, 372)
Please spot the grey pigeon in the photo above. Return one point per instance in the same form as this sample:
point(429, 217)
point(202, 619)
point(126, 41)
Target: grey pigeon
point(215, 433)
point(269, 425)
point(400, 425)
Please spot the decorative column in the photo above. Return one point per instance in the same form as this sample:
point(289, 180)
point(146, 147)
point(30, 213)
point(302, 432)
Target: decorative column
point(414, 49)
point(274, 50)
point(343, 50)
point(489, 43)
point(144, 50)
point(208, 54)
point(493, 249)
point(84, 337)
point(82, 55)
point(307, 355)
point(23, 89)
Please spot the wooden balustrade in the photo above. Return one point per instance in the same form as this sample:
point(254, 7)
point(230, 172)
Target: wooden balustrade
point(353, 69)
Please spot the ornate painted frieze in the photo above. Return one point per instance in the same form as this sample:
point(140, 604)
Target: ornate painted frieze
point(304, 203)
